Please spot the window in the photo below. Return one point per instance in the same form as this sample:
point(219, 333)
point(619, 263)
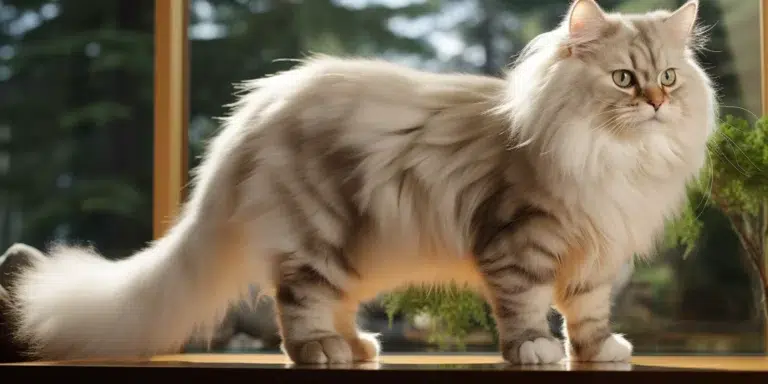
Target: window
point(76, 123)
point(80, 160)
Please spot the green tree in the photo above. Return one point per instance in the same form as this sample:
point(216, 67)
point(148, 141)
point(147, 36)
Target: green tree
point(734, 183)
point(76, 100)
point(77, 114)
point(244, 45)
point(499, 29)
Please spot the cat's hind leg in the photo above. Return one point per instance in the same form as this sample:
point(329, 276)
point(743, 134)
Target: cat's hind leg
point(307, 301)
point(365, 346)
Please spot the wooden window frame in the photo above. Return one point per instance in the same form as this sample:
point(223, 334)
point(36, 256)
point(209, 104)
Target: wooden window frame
point(764, 105)
point(172, 109)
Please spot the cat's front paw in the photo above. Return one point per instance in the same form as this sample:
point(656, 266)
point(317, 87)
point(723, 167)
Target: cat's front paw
point(327, 350)
point(613, 349)
point(542, 350)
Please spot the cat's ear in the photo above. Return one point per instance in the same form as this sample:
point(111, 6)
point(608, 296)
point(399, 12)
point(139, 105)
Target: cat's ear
point(682, 21)
point(586, 20)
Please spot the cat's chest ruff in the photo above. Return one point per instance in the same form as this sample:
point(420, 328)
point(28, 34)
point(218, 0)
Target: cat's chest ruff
point(629, 218)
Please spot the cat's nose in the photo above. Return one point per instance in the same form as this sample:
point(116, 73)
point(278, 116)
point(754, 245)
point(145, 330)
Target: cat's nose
point(654, 96)
point(655, 104)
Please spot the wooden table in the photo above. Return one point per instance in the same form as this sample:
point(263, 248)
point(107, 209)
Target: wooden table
point(396, 369)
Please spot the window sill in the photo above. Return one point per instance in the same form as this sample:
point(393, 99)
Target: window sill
point(485, 361)
point(415, 367)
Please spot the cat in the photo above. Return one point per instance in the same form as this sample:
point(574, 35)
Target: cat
point(345, 177)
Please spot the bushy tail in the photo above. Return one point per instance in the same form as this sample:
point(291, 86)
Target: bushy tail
point(75, 304)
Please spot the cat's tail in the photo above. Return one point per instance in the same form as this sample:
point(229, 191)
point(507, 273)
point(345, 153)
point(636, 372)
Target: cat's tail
point(76, 304)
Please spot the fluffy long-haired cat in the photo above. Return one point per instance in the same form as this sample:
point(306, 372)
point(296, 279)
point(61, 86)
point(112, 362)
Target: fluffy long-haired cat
point(343, 178)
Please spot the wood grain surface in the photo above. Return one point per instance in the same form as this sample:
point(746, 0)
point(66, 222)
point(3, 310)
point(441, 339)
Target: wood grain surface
point(447, 361)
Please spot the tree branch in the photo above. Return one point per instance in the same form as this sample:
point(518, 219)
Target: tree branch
point(747, 224)
point(763, 218)
point(754, 254)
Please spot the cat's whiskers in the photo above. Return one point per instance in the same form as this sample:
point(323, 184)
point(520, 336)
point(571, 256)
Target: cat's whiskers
point(608, 102)
point(741, 109)
point(608, 111)
point(623, 121)
point(706, 197)
point(606, 123)
point(725, 157)
point(738, 147)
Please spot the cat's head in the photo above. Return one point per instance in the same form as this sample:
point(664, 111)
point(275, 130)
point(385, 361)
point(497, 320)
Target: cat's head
point(620, 90)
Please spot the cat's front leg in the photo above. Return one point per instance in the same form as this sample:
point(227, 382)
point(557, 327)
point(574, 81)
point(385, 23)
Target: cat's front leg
point(587, 311)
point(519, 270)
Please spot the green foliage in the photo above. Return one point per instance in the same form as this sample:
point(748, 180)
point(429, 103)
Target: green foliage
point(734, 182)
point(77, 104)
point(453, 310)
point(739, 180)
point(734, 179)
point(686, 229)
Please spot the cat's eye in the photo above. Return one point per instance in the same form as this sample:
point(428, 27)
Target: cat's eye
point(668, 78)
point(623, 78)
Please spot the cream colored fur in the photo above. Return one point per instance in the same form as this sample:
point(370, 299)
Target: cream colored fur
point(422, 154)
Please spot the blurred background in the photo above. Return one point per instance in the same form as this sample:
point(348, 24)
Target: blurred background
point(76, 134)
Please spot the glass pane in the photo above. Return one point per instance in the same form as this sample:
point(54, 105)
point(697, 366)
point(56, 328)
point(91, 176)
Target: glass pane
point(76, 102)
point(705, 302)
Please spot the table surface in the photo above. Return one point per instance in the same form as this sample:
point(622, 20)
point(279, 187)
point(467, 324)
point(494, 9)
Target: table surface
point(438, 362)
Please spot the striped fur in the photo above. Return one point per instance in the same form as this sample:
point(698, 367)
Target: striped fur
point(344, 178)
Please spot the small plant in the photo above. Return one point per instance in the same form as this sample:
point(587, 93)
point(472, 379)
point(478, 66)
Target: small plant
point(453, 312)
